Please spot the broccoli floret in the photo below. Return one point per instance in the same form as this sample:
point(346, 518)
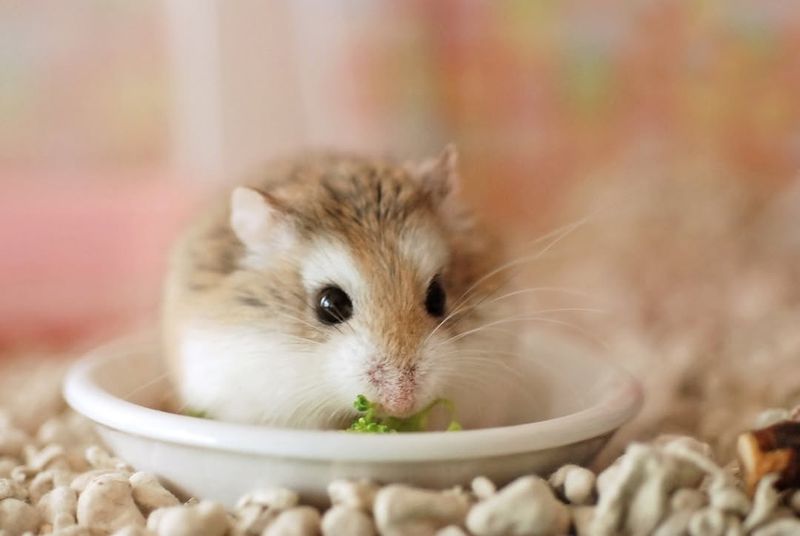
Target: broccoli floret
point(374, 420)
point(363, 425)
point(369, 422)
point(362, 404)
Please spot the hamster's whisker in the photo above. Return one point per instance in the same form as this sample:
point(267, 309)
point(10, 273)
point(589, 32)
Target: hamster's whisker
point(300, 339)
point(531, 290)
point(586, 334)
point(559, 235)
point(452, 314)
point(488, 299)
point(487, 376)
point(460, 352)
point(298, 404)
point(559, 232)
point(298, 408)
point(520, 318)
point(467, 358)
point(318, 409)
point(339, 415)
point(534, 315)
point(304, 322)
point(484, 383)
point(285, 309)
point(336, 415)
point(478, 385)
point(342, 321)
point(491, 365)
point(302, 402)
point(145, 385)
point(462, 302)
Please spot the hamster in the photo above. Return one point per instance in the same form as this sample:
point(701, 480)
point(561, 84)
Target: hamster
point(331, 276)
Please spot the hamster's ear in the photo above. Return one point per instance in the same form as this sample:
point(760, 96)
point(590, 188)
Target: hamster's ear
point(256, 219)
point(439, 175)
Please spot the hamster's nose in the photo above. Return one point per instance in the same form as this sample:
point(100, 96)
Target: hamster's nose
point(398, 402)
point(396, 387)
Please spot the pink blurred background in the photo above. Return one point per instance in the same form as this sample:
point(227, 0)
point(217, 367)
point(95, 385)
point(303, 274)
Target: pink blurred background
point(118, 117)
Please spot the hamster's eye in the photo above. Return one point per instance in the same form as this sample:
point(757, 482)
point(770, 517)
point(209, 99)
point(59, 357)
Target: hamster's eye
point(333, 305)
point(435, 298)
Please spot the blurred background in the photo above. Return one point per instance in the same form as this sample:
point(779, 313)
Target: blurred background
point(667, 133)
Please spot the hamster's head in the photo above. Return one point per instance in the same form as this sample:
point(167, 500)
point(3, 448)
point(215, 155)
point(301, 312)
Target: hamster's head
point(371, 270)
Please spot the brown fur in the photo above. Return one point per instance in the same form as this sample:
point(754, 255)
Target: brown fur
point(366, 204)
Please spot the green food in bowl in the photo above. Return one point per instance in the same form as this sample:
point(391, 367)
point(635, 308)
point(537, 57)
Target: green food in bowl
point(374, 420)
point(198, 413)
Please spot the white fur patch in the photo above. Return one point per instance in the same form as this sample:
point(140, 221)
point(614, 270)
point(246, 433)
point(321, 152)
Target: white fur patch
point(249, 374)
point(426, 250)
point(245, 374)
point(329, 262)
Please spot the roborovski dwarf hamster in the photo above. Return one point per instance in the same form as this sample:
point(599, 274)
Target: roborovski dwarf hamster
point(332, 276)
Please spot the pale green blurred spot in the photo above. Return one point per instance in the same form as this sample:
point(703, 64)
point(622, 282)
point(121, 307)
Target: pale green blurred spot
point(755, 31)
point(588, 82)
point(527, 25)
point(760, 40)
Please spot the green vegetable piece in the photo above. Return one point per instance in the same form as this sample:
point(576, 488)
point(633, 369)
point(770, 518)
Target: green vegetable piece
point(197, 413)
point(362, 404)
point(362, 424)
point(454, 427)
point(375, 421)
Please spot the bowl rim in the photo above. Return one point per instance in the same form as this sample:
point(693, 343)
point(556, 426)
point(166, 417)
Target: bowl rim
point(87, 398)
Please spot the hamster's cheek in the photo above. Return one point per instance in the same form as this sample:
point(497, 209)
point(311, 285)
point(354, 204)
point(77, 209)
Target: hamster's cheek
point(439, 360)
point(249, 374)
point(238, 373)
point(476, 373)
point(347, 361)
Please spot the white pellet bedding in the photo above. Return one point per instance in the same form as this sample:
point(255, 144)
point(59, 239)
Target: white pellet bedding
point(56, 479)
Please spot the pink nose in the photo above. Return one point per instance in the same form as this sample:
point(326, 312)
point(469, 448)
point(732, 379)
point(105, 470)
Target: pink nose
point(395, 387)
point(399, 403)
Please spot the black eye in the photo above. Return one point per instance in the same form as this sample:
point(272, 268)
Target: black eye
point(333, 305)
point(435, 298)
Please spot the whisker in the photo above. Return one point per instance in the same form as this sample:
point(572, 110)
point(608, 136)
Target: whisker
point(483, 299)
point(521, 318)
point(560, 234)
point(305, 322)
point(127, 396)
point(485, 371)
point(476, 352)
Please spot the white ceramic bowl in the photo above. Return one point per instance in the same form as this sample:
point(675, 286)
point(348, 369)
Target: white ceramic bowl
point(581, 401)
